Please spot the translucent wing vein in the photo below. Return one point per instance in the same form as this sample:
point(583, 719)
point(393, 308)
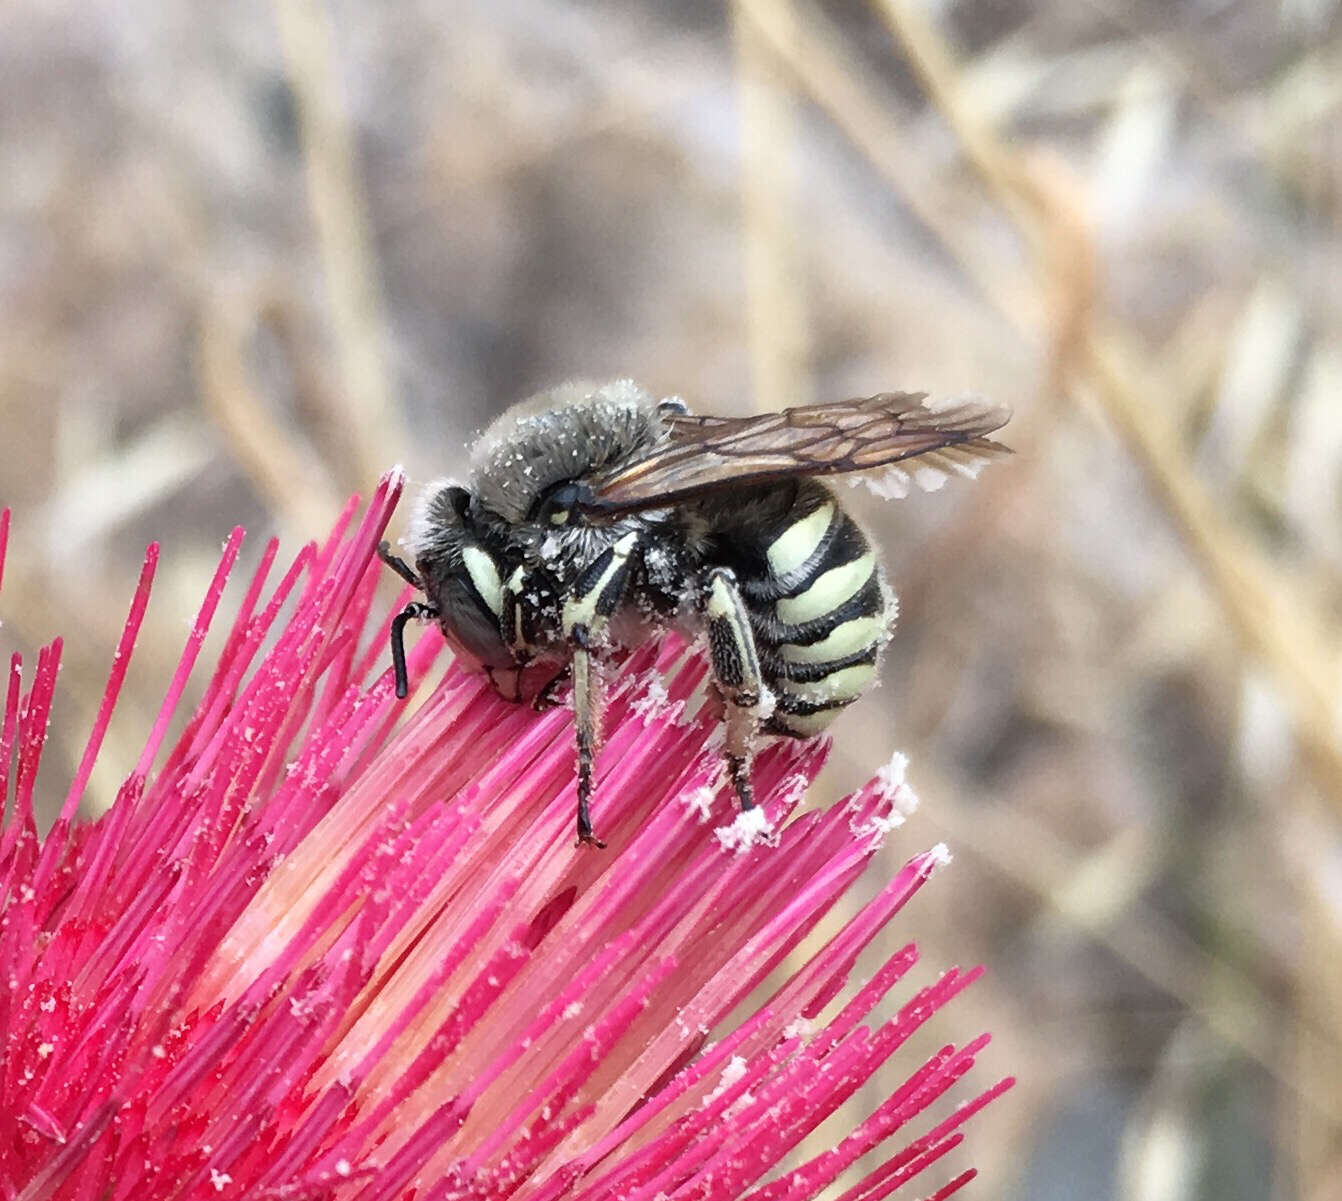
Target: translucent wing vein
point(704, 454)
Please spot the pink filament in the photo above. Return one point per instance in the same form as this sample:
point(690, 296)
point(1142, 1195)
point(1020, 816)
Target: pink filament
point(334, 948)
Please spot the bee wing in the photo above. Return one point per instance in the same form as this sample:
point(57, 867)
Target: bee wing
point(706, 454)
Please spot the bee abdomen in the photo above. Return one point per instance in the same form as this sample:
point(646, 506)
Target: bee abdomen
point(821, 614)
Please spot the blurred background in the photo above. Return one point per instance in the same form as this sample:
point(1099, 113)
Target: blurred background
point(253, 254)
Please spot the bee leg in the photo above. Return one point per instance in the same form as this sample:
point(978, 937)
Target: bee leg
point(736, 671)
point(545, 698)
point(399, 566)
point(497, 676)
point(412, 610)
point(597, 593)
point(586, 714)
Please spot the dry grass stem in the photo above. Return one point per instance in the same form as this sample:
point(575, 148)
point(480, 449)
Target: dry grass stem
point(365, 401)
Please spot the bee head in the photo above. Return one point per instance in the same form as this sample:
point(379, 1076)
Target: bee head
point(462, 574)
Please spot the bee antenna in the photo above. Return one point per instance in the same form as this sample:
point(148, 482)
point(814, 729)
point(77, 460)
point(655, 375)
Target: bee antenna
point(412, 610)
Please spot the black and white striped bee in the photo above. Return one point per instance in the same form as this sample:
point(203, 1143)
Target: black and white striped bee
point(595, 512)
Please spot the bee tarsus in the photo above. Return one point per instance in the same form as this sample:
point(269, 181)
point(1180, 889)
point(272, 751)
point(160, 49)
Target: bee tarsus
point(546, 696)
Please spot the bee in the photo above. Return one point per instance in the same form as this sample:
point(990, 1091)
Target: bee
point(596, 513)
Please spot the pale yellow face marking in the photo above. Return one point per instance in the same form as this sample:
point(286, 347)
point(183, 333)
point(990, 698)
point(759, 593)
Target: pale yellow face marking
point(559, 518)
point(515, 583)
point(846, 639)
point(843, 685)
point(832, 589)
point(799, 541)
point(484, 577)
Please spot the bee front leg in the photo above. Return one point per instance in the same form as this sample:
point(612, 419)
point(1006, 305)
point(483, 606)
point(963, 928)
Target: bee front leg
point(545, 695)
point(597, 593)
point(736, 671)
point(506, 682)
point(587, 721)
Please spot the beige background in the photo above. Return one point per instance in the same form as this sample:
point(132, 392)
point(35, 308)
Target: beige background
point(251, 254)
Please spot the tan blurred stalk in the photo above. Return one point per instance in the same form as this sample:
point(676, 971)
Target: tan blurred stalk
point(364, 402)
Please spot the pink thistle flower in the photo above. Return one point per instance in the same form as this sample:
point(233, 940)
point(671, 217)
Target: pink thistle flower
point(325, 946)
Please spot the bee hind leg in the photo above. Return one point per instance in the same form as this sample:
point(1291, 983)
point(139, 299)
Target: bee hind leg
point(736, 671)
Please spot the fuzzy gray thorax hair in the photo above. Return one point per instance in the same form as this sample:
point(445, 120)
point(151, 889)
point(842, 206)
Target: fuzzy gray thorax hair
point(562, 434)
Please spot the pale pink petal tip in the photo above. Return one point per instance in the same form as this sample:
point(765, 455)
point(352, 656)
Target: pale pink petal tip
point(327, 946)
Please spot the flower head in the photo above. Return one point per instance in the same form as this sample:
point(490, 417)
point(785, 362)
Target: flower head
point(323, 947)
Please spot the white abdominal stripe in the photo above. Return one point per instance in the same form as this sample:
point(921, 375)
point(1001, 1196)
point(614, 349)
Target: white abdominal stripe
point(807, 706)
point(828, 593)
point(823, 626)
point(847, 638)
point(843, 610)
point(840, 686)
point(797, 544)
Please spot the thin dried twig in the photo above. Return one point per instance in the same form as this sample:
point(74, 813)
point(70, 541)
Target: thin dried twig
point(813, 53)
point(1028, 852)
point(294, 484)
point(775, 284)
point(365, 404)
point(1088, 357)
point(1318, 1060)
point(1268, 619)
point(1270, 622)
